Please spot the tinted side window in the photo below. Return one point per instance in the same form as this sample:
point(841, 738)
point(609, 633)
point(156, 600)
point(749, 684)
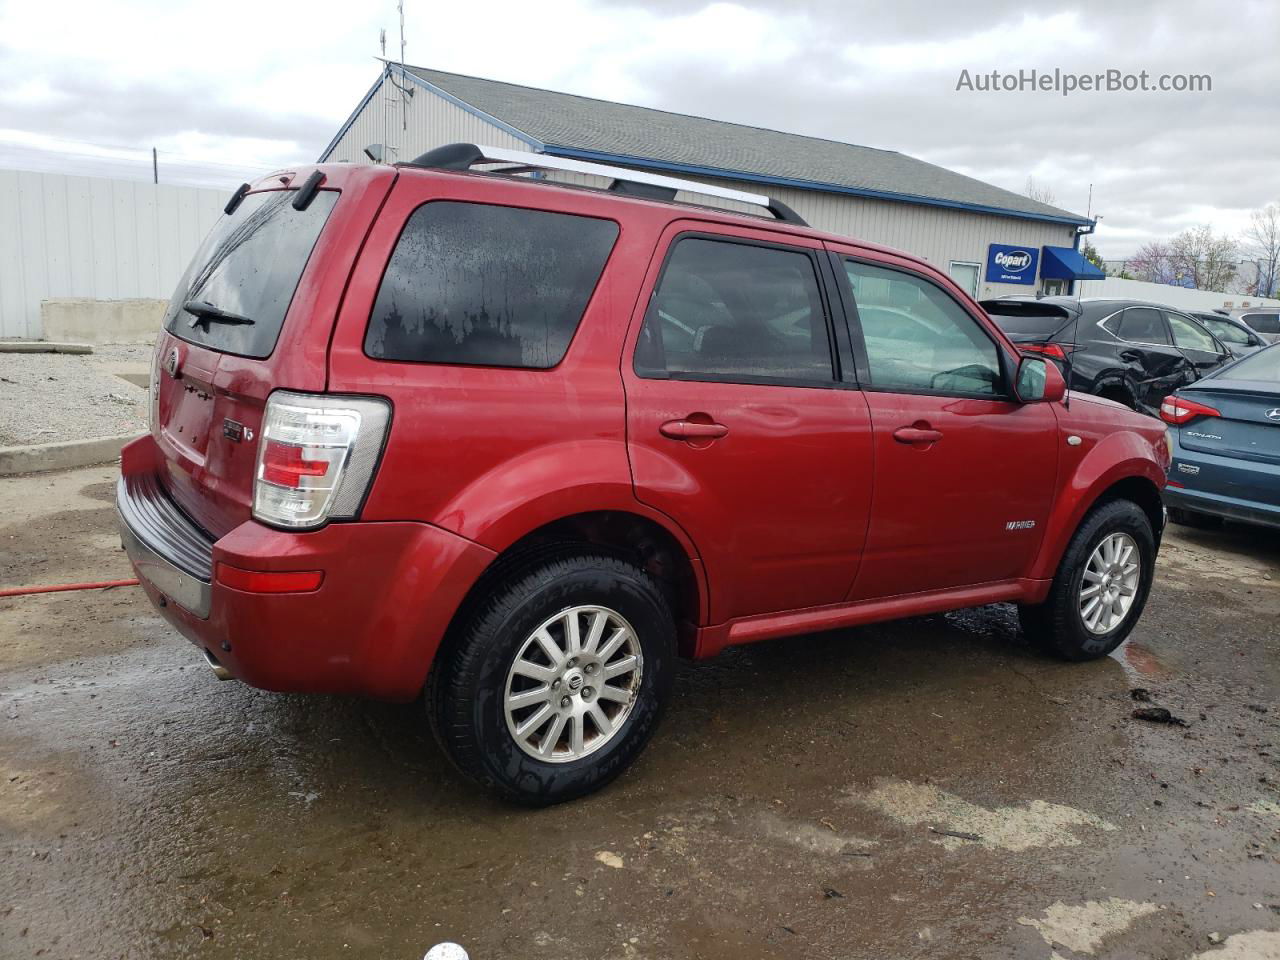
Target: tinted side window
point(1142, 325)
point(918, 339)
point(1226, 332)
point(472, 283)
point(1263, 322)
point(736, 311)
point(1188, 336)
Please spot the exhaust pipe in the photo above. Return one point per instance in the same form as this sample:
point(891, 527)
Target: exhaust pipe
point(219, 671)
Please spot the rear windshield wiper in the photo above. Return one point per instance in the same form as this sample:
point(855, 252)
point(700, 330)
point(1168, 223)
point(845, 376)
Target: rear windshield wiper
point(205, 312)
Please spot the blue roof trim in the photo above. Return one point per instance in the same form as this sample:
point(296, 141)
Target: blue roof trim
point(487, 118)
point(342, 130)
point(600, 157)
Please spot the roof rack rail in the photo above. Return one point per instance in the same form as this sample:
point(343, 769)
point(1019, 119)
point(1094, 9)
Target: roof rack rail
point(654, 186)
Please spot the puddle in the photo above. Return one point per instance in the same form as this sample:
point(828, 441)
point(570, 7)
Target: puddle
point(1140, 662)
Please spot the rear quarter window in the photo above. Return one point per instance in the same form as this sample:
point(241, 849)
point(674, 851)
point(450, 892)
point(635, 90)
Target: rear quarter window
point(478, 284)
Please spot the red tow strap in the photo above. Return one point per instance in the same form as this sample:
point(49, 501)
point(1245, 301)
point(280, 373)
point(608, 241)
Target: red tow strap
point(59, 588)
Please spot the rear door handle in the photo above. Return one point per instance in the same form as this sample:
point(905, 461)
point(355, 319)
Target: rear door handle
point(692, 430)
point(1131, 356)
point(916, 435)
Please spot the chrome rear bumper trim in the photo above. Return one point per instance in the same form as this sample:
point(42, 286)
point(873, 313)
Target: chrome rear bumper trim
point(189, 591)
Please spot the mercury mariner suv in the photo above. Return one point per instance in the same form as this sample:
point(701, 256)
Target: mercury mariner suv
point(447, 432)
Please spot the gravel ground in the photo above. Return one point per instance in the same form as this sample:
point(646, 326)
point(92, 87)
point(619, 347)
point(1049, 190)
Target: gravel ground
point(51, 397)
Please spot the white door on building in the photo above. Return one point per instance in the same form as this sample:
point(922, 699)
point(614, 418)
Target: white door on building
point(966, 276)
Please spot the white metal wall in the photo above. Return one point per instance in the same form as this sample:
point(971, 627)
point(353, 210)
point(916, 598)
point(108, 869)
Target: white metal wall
point(938, 234)
point(431, 122)
point(63, 236)
point(1165, 293)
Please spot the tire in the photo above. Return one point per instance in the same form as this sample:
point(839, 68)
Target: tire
point(1058, 625)
point(467, 695)
point(1189, 518)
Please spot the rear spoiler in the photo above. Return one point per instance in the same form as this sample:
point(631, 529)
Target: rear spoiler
point(1011, 307)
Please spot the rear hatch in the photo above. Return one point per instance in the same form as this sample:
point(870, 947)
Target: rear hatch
point(1244, 433)
point(1030, 322)
point(253, 313)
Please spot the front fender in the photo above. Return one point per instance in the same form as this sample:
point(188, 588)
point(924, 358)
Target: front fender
point(1116, 457)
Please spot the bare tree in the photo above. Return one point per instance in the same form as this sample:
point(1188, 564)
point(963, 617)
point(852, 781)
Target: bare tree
point(1202, 260)
point(1261, 241)
point(1041, 192)
point(1151, 263)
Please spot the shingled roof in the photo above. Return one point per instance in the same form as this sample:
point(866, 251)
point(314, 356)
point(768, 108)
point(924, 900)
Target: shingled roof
point(565, 124)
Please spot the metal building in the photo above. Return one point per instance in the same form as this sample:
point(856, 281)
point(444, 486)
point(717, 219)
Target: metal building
point(992, 241)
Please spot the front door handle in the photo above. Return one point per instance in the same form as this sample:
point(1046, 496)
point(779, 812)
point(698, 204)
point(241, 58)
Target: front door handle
point(692, 430)
point(916, 435)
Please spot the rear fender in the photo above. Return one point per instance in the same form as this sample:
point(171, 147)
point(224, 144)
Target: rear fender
point(1117, 457)
point(551, 483)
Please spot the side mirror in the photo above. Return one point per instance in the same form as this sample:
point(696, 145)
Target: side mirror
point(1039, 381)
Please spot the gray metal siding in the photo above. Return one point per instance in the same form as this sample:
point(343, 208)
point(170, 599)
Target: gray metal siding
point(63, 236)
point(936, 234)
point(432, 121)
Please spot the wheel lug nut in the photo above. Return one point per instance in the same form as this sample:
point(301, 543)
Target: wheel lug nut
point(587, 693)
point(555, 684)
point(565, 702)
point(590, 668)
point(573, 662)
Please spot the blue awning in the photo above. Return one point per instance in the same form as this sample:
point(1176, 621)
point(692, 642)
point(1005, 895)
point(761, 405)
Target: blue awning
point(1063, 263)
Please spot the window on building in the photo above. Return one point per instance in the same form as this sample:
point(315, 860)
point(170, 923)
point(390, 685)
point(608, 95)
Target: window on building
point(473, 283)
point(735, 311)
point(918, 339)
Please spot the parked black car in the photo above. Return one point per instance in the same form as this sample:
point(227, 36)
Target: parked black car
point(1239, 338)
point(1130, 351)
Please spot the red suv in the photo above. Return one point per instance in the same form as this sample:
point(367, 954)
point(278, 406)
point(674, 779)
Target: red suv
point(512, 446)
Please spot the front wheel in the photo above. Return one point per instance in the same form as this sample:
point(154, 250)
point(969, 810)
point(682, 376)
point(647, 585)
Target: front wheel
point(1101, 585)
point(556, 684)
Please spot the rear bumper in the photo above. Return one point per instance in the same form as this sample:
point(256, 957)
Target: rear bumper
point(1247, 511)
point(372, 627)
point(1212, 484)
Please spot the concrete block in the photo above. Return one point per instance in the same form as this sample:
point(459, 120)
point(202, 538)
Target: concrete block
point(102, 321)
point(39, 457)
point(43, 346)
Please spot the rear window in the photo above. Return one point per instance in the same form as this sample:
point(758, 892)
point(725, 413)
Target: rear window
point(472, 283)
point(249, 265)
point(1263, 365)
point(1263, 322)
point(1038, 326)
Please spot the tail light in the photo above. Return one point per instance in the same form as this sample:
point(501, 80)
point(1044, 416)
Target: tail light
point(1179, 410)
point(1055, 350)
point(316, 457)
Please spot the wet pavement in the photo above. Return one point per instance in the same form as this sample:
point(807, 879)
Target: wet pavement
point(929, 788)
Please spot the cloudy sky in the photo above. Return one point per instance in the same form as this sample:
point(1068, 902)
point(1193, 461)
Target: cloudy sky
point(233, 88)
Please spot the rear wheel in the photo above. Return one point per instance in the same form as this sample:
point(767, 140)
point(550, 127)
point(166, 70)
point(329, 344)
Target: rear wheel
point(1101, 585)
point(556, 683)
